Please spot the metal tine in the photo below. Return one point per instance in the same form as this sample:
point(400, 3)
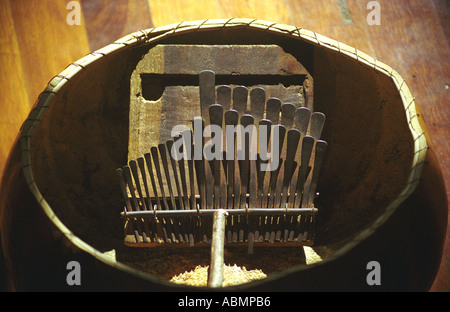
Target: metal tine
point(161, 229)
point(231, 119)
point(240, 98)
point(287, 120)
point(303, 172)
point(310, 193)
point(320, 149)
point(273, 107)
point(134, 204)
point(275, 188)
point(172, 205)
point(129, 183)
point(148, 161)
point(188, 143)
point(167, 224)
point(207, 87)
point(224, 97)
point(287, 115)
point(128, 207)
point(252, 203)
point(302, 118)
point(141, 164)
point(216, 118)
point(134, 170)
point(253, 190)
point(123, 187)
point(290, 220)
point(169, 145)
point(246, 120)
point(281, 130)
point(200, 174)
point(209, 196)
point(182, 172)
point(263, 178)
point(205, 170)
point(293, 138)
point(316, 125)
point(307, 147)
point(280, 173)
point(163, 154)
point(257, 103)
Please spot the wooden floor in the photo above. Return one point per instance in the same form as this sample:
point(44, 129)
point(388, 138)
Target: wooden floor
point(37, 43)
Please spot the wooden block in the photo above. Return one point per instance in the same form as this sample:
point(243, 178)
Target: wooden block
point(164, 88)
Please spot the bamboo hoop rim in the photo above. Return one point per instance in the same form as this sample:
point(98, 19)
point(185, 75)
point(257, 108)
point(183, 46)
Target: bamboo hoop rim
point(152, 35)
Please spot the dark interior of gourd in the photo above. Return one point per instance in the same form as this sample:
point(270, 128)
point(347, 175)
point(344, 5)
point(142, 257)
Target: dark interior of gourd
point(83, 137)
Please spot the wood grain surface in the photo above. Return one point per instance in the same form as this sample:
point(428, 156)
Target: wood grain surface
point(37, 43)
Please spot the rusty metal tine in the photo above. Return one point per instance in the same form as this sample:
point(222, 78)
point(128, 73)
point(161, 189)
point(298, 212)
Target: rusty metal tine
point(316, 125)
point(274, 176)
point(253, 196)
point(182, 172)
point(207, 87)
point(287, 115)
point(188, 143)
point(223, 185)
point(148, 161)
point(240, 98)
point(134, 170)
point(246, 120)
point(129, 182)
point(231, 119)
point(209, 196)
point(290, 220)
point(173, 163)
point(163, 154)
point(293, 139)
point(257, 103)
point(273, 107)
point(175, 227)
point(320, 150)
point(307, 146)
point(123, 188)
point(167, 228)
point(128, 207)
point(161, 230)
point(216, 118)
point(184, 233)
point(262, 176)
point(224, 97)
point(185, 195)
point(281, 130)
point(302, 118)
point(141, 164)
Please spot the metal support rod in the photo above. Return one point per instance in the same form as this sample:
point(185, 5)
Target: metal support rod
point(210, 212)
point(215, 277)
